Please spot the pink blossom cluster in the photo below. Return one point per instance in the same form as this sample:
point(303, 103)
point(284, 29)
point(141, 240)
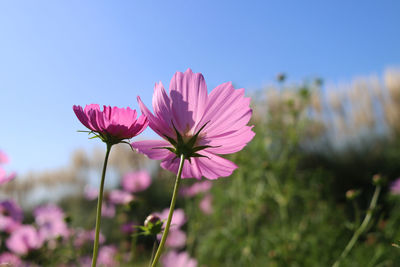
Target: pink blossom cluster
point(51, 222)
point(48, 229)
point(46, 232)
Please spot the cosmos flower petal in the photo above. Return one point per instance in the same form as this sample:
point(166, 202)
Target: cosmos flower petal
point(83, 118)
point(162, 104)
point(151, 148)
point(229, 142)
point(188, 93)
point(227, 110)
point(214, 166)
point(190, 168)
point(158, 125)
point(140, 125)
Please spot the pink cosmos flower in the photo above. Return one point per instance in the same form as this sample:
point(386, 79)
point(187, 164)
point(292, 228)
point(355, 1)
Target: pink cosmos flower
point(205, 204)
point(136, 181)
point(24, 239)
point(198, 125)
point(50, 219)
point(178, 218)
point(113, 124)
point(120, 197)
point(9, 259)
point(196, 188)
point(175, 259)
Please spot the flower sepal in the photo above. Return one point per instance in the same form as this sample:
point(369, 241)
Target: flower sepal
point(106, 138)
point(186, 148)
point(152, 225)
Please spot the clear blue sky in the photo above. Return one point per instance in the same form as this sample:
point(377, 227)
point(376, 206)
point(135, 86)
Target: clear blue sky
point(54, 54)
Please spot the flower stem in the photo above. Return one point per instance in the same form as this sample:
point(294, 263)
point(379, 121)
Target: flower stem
point(360, 229)
point(99, 203)
point(153, 250)
point(171, 211)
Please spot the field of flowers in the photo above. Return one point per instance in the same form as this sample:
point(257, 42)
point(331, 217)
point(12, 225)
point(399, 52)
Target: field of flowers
point(308, 177)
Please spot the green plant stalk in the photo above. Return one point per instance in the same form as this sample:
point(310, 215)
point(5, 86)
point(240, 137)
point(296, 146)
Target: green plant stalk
point(360, 229)
point(99, 203)
point(133, 247)
point(153, 250)
point(357, 211)
point(171, 211)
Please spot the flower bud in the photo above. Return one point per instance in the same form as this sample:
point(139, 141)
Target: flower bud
point(151, 219)
point(352, 194)
point(377, 179)
point(152, 225)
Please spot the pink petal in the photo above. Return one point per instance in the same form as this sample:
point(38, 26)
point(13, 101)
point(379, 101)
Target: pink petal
point(188, 93)
point(214, 166)
point(83, 118)
point(230, 142)
point(227, 110)
point(155, 123)
point(151, 148)
point(139, 126)
point(190, 169)
point(162, 104)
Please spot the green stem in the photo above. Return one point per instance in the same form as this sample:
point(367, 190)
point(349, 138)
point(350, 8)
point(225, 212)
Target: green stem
point(362, 227)
point(99, 203)
point(357, 212)
point(153, 250)
point(133, 247)
point(171, 211)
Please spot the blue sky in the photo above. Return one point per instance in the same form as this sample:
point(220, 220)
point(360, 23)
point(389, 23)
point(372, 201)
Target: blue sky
point(54, 54)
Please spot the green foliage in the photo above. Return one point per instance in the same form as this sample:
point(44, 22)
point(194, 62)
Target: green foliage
point(277, 210)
